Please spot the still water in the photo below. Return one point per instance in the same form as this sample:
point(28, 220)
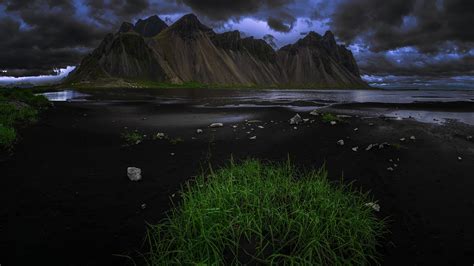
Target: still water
point(369, 102)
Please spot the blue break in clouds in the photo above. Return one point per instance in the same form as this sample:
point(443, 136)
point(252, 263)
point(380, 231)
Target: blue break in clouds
point(420, 82)
point(6, 81)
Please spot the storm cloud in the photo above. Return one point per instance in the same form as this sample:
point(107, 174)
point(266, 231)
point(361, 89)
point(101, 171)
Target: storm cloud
point(393, 37)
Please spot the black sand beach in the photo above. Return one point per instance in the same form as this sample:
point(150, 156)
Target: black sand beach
point(67, 200)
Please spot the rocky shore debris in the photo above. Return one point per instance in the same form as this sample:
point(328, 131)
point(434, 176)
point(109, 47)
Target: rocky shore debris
point(355, 149)
point(199, 131)
point(333, 123)
point(314, 112)
point(215, 125)
point(412, 138)
point(134, 174)
point(295, 120)
point(253, 138)
point(340, 142)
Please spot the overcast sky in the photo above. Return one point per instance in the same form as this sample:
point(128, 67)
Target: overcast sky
point(409, 38)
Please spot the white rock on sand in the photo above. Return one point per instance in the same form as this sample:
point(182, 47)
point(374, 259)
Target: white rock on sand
point(355, 149)
point(340, 142)
point(295, 120)
point(314, 112)
point(214, 125)
point(374, 206)
point(253, 138)
point(134, 173)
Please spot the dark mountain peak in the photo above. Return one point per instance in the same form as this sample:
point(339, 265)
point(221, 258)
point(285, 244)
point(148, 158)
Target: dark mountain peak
point(189, 25)
point(328, 35)
point(312, 35)
point(150, 27)
point(126, 27)
point(329, 42)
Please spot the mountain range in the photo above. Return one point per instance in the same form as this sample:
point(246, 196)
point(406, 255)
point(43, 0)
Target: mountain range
point(188, 51)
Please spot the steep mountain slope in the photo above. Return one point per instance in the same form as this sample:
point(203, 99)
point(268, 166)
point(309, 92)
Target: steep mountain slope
point(124, 55)
point(189, 51)
point(317, 60)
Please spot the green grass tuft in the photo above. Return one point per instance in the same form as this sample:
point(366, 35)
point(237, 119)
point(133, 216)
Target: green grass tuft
point(7, 136)
point(266, 214)
point(18, 108)
point(132, 138)
point(328, 117)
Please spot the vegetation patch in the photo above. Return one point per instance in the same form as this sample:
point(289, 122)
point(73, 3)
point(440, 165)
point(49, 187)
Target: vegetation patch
point(18, 108)
point(255, 213)
point(328, 118)
point(133, 138)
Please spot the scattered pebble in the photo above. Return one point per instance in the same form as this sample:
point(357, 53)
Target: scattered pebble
point(412, 138)
point(390, 169)
point(370, 147)
point(295, 120)
point(333, 123)
point(395, 165)
point(134, 174)
point(374, 206)
point(261, 127)
point(214, 125)
point(459, 158)
point(253, 138)
point(160, 135)
point(306, 120)
point(199, 131)
point(315, 113)
point(340, 142)
point(355, 149)
point(234, 126)
point(172, 154)
point(143, 206)
point(295, 128)
point(356, 129)
point(402, 139)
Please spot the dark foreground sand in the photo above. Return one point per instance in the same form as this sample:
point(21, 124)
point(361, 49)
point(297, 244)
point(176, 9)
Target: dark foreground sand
point(66, 199)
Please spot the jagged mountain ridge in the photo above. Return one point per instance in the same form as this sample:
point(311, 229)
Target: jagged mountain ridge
point(189, 51)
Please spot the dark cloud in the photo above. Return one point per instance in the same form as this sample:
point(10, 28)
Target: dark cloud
point(284, 22)
point(225, 9)
point(425, 24)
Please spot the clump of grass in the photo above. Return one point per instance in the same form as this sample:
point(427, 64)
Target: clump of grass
point(132, 138)
point(7, 136)
point(18, 108)
point(328, 117)
point(266, 214)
